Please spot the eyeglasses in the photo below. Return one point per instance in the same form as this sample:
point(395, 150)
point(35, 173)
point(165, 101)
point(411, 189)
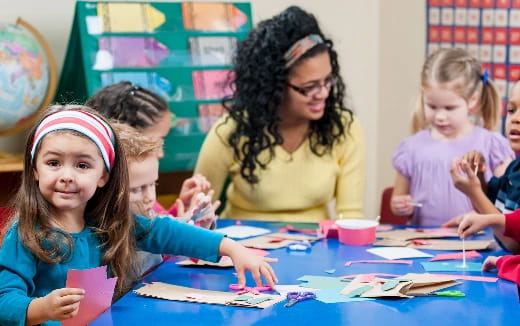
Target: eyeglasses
point(313, 90)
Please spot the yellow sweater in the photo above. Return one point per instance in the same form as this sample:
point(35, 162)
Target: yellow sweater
point(293, 187)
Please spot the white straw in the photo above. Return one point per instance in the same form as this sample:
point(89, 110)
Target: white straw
point(463, 255)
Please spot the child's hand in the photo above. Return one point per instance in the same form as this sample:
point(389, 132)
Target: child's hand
point(453, 222)
point(191, 187)
point(475, 160)
point(60, 304)
point(200, 203)
point(472, 223)
point(464, 177)
point(245, 260)
point(402, 205)
point(490, 263)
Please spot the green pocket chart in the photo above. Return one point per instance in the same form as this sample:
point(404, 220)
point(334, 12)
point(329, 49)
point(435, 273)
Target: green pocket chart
point(180, 50)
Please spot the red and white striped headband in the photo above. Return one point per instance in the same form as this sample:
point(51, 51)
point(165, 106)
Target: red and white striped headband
point(86, 124)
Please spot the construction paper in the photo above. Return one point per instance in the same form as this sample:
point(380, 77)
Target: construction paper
point(330, 271)
point(372, 274)
point(409, 234)
point(334, 296)
point(368, 261)
point(451, 266)
point(242, 231)
point(290, 228)
point(98, 293)
point(456, 256)
point(359, 291)
point(425, 283)
point(275, 240)
point(322, 282)
point(398, 252)
point(181, 293)
point(357, 288)
point(434, 244)
point(471, 278)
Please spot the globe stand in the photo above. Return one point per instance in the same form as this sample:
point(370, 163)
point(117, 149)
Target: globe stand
point(10, 162)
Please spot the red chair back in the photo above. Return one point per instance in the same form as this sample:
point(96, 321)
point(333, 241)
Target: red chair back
point(387, 217)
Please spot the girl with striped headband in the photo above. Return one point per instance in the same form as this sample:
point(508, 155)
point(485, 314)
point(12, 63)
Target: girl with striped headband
point(72, 212)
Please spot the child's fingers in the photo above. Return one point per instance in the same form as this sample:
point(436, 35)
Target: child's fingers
point(267, 273)
point(270, 260)
point(241, 277)
point(256, 276)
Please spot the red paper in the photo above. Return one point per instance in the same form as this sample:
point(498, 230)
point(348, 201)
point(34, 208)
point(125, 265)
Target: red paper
point(390, 261)
point(98, 293)
point(456, 256)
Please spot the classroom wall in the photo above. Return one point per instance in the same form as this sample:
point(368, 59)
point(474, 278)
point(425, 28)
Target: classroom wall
point(380, 45)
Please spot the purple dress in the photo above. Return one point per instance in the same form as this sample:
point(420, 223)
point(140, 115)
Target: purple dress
point(426, 163)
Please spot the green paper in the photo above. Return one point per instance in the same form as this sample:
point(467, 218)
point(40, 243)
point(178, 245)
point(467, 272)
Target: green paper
point(323, 282)
point(243, 297)
point(451, 266)
point(450, 293)
point(330, 271)
point(257, 300)
point(334, 296)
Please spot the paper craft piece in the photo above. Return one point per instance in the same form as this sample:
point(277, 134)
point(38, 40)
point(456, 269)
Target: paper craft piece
point(409, 234)
point(275, 240)
point(224, 261)
point(424, 284)
point(129, 17)
point(179, 293)
point(330, 271)
point(472, 278)
point(406, 286)
point(368, 261)
point(357, 288)
point(384, 227)
point(451, 266)
point(323, 282)
point(441, 232)
point(222, 17)
point(456, 256)
point(242, 231)
point(290, 228)
point(334, 296)
point(398, 252)
point(433, 244)
point(98, 293)
point(372, 274)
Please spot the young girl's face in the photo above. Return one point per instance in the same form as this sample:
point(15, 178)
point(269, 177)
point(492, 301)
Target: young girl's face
point(513, 118)
point(69, 168)
point(309, 84)
point(160, 129)
point(143, 176)
point(447, 112)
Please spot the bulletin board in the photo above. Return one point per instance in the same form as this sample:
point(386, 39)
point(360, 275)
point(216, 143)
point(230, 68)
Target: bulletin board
point(488, 29)
point(180, 50)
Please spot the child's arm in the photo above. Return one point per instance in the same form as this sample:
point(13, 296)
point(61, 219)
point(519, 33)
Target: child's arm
point(60, 304)
point(401, 202)
point(244, 260)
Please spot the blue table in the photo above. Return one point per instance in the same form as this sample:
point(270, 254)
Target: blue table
point(485, 303)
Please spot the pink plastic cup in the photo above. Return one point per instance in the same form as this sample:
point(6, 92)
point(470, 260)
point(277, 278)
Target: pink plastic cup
point(357, 232)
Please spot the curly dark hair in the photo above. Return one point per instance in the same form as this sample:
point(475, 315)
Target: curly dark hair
point(129, 104)
point(259, 80)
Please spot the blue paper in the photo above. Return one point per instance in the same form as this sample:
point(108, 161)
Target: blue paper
point(333, 296)
point(451, 266)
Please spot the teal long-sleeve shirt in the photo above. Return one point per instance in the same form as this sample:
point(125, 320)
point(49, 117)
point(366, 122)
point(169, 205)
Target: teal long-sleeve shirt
point(23, 277)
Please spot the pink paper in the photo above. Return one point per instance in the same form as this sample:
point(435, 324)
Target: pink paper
point(391, 261)
point(456, 256)
point(439, 232)
point(366, 278)
point(98, 293)
point(373, 274)
point(259, 252)
point(471, 278)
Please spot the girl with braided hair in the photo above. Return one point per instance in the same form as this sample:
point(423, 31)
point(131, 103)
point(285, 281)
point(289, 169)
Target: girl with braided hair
point(288, 143)
point(148, 113)
point(456, 98)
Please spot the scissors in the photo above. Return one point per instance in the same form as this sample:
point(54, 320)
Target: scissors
point(295, 297)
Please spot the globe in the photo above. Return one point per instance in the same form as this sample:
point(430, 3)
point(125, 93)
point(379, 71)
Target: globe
point(27, 76)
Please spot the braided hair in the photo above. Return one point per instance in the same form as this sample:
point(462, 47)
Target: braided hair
point(129, 104)
point(259, 80)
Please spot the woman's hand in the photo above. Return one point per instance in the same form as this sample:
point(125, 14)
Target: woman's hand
point(402, 205)
point(490, 263)
point(244, 260)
